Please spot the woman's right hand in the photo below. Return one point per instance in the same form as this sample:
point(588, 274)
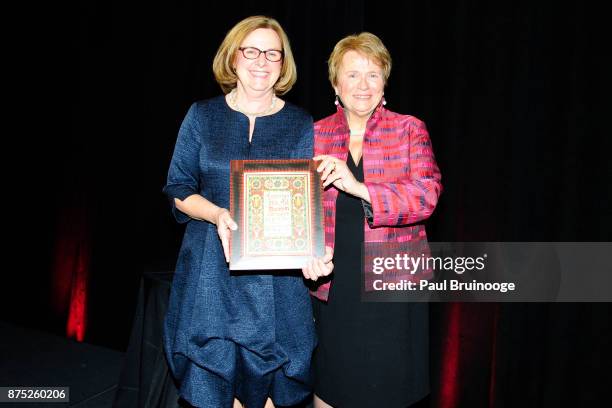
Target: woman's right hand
point(319, 267)
point(225, 224)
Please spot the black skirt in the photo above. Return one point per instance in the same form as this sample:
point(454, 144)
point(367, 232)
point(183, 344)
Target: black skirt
point(369, 354)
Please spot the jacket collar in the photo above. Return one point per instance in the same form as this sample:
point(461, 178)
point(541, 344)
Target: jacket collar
point(374, 118)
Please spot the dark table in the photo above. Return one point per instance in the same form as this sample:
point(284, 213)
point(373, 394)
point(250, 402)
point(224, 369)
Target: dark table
point(145, 379)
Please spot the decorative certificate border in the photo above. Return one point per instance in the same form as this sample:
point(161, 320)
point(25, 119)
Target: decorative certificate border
point(277, 205)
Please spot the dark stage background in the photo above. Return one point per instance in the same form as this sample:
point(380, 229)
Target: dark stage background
point(515, 100)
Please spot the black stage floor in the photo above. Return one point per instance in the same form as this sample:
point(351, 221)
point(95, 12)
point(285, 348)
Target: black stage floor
point(35, 358)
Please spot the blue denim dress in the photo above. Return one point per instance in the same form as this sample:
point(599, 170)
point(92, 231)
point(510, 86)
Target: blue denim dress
point(248, 335)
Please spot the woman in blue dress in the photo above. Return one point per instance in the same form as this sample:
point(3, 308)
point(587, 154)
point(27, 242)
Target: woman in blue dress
point(244, 339)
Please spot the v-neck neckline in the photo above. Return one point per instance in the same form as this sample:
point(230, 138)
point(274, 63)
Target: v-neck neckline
point(353, 160)
point(355, 165)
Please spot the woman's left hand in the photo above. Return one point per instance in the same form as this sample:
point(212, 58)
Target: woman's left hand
point(335, 171)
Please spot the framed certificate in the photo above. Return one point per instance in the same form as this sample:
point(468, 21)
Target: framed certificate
point(278, 208)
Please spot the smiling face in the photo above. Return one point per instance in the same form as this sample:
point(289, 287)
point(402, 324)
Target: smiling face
point(360, 86)
point(258, 75)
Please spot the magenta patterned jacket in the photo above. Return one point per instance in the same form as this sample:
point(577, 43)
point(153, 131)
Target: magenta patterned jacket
point(400, 172)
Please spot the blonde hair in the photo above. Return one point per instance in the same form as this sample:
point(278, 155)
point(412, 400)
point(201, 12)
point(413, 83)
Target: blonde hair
point(223, 64)
point(364, 43)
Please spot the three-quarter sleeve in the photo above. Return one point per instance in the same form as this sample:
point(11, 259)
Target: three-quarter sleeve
point(183, 175)
point(414, 197)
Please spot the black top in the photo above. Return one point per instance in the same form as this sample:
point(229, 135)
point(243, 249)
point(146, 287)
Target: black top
point(369, 354)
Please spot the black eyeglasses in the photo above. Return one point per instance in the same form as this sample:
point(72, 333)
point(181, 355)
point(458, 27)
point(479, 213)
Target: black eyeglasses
point(254, 53)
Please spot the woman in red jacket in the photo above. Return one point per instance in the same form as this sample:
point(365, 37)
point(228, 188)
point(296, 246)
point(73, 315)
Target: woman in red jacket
point(381, 182)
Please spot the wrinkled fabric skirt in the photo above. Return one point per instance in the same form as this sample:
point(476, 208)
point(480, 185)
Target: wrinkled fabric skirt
point(246, 335)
